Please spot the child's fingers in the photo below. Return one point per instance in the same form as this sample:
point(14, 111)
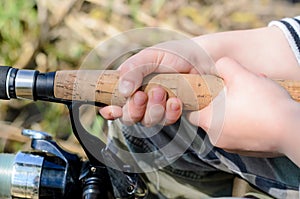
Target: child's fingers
point(134, 69)
point(173, 111)
point(135, 108)
point(111, 112)
point(155, 107)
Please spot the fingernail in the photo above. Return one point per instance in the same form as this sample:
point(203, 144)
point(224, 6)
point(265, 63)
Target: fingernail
point(126, 87)
point(174, 106)
point(157, 94)
point(139, 99)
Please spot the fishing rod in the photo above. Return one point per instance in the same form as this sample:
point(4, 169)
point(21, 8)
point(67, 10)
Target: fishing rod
point(101, 86)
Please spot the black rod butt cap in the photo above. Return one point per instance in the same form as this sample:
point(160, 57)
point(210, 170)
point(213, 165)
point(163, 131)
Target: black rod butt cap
point(3, 76)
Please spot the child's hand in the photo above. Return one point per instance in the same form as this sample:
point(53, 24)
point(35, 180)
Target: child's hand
point(253, 114)
point(262, 50)
point(151, 108)
point(257, 115)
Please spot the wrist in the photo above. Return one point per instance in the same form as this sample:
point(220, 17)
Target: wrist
point(263, 50)
point(240, 45)
point(215, 45)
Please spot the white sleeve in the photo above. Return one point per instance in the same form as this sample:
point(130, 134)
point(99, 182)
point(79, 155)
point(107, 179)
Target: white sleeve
point(291, 29)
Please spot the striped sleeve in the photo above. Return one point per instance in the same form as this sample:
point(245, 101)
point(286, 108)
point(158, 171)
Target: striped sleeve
point(291, 29)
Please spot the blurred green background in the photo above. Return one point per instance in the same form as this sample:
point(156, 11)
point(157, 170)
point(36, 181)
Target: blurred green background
point(59, 34)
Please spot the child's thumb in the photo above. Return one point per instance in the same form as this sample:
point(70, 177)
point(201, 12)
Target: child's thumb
point(228, 69)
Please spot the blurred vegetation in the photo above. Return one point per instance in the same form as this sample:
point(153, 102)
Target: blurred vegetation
point(55, 35)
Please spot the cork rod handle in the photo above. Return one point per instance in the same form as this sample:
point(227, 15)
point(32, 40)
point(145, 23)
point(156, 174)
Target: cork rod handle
point(101, 86)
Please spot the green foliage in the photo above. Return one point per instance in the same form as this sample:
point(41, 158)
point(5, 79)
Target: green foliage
point(134, 6)
point(55, 119)
point(18, 19)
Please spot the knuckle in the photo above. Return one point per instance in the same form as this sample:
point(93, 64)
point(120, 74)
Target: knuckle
point(136, 117)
